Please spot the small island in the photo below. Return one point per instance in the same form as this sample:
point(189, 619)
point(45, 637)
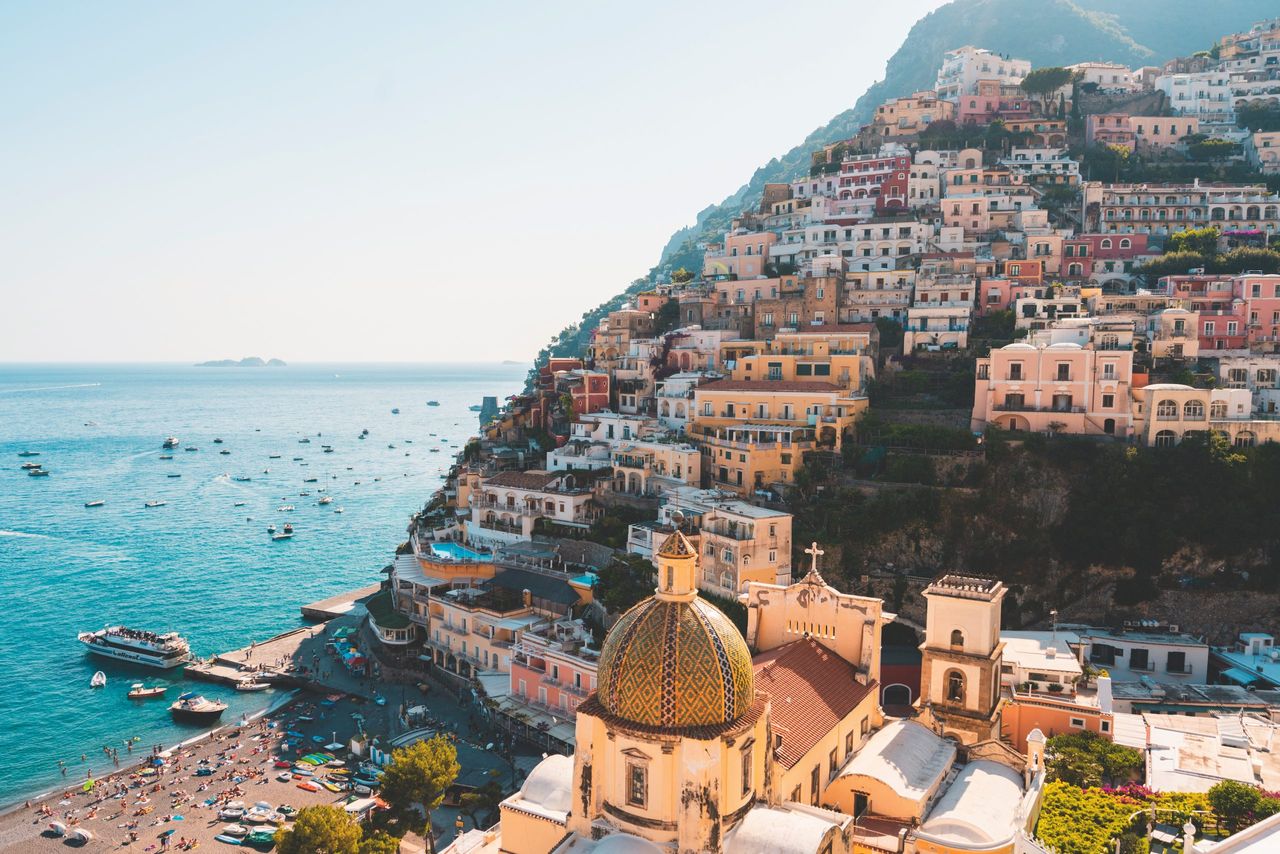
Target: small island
point(246, 362)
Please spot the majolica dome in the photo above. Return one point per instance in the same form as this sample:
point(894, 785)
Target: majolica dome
point(675, 661)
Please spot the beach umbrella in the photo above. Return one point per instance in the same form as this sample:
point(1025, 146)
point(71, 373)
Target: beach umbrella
point(158, 762)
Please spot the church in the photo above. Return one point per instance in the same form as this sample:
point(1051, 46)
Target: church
point(692, 743)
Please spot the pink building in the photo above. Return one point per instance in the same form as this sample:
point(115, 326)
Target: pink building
point(994, 99)
point(1055, 388)
point(742, 255)
point(553, 669)
point(1262, 302)
point(1224, 316)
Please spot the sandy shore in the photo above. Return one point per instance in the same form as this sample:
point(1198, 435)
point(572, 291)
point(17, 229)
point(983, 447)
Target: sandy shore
point(172, 799)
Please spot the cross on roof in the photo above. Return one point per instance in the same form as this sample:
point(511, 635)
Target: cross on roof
point(814, 553)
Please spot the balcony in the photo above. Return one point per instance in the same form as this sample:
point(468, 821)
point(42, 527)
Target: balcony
point(501, 527)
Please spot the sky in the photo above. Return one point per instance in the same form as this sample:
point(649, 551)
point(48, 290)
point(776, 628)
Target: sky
point(383, 181)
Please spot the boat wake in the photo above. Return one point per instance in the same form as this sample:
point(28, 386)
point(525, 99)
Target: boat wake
point(25, 535)
point(48, 388)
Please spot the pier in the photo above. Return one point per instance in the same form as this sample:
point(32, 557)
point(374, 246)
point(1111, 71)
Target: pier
point(337, 606)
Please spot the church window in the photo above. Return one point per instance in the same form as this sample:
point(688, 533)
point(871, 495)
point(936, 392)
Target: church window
point(955, 687)
point(746, 771)
point(637, 785)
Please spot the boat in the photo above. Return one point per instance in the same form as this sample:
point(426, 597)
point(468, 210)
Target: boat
point(217, 441)
point(171, 442)
point(288, 529)
point(193, 708)
point(190, 448)
point(271, 529)
point(337, 510)
point(304, 441)
point(30, 466)
point(239, 504)
point(282, 536)
point(28, 453)
point(433, 403)
point(174, 475)
point(139, 647)
point(250, 685)
point(225, 452)
point(285, 508)
point(166, 456)
point(328, 499)
point(99, 680)
point(80, 834)
point(298, 459)
point(154, 504)
point(328, 450)
point(57, 828)
point(395, 412)
point(235, 831)
point(138, 691)
point(242, 479)
point(275, 456)
point(311, 480)
point(232, 811)
point(97, 503)
point(37, 473)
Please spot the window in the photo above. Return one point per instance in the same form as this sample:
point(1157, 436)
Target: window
point(1193, 410)
point(814, 780)
point(795, 794)
point(1177, 663)
point(957, 637)
point(864, 727)
point(1167, 409)
point(955, 687)
point(1166, 439)
point(746, 769)
point(1105, 726)
point(1108, 401)
point(832, 763)
point(848, 743)
point(1064, 372)
point(1138, 659)
point(1015, 370)
point(1077, 723)
point(637, 785)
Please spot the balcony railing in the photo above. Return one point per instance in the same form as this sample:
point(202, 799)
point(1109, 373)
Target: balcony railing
point(502, 527)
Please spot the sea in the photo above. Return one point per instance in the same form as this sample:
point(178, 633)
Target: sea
point(203, 564)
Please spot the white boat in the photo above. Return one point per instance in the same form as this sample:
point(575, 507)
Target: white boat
point(139, 647)
point(37, 472)
point(233, 811)
point(192, 708)
point(337, 510)
point(171, 442)
point(285, 508)
point(282, 536)
point(99, 680)
point(138, 691)
point(328, 499)
point(96, 503)
point(250, 685)
point(271, 529)
point(154, 504)
point(236, 831)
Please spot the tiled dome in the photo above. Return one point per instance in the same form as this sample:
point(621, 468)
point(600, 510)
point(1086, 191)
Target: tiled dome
point(671, 663)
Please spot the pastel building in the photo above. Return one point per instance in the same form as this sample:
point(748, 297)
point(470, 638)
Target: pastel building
point(1167, 413)
point(964, 67)
point(505, 507)
point(1058, 388)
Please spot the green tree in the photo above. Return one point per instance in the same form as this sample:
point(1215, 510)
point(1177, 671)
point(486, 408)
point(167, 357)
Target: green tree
point(1212, 149)
point(481, 805)
point(624, 581)
point(1044, 83)
point(1203, 241)
point(380, 842)
point(1232, 801)
point(681, 276)
point(1172, 264)
point(320, 830)
point(890, 331)
point(420, 774)
point(1244, 258)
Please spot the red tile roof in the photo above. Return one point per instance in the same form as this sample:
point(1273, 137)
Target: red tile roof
point(812, 689)
point(769, 385)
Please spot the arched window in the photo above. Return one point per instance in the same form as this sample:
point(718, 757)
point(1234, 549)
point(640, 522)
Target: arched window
point(1167, 409)
point(1106, 243)
point(957, 637)
point(1125, 242)
point(955, 686)
point(1166, 439)
point(1218, 409)
point(1193, 411)
point(1244, 439)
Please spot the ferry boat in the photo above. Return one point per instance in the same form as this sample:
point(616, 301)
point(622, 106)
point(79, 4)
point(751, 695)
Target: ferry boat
point(139, 647)
point(193, 708)
point(171, 442)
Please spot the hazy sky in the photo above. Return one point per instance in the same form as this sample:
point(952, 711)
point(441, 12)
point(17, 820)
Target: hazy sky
point(382, 181)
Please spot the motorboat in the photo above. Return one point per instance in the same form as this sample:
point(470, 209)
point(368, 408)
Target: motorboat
point(140, 692)
point(166, 456)
point(395, 412)
point(57, 828)
point(190, 448)
point(193, 708)
point(37, 472)
point(328, 450)
point(288, 529)
point(225, 452)
point(174, 474)
point(136, 646)
point(30, 466)
point(311, 480)
point(285, 508)
point(271, 529)
point(242, 479)
point(250, 685)
point(337, 510)
point(232, 811)
point(391, 446)
point(217, 441)
point(304, 441)
point(282, 536)
point(433, 403)
point(80, 834)
point(99, 680)
point(298, 459)
point(235, 831)
point(171, 442)
point(28, 453)
point(328, 499)
point(239, 504)
point(96, 503)
point(276, 456)
point(154, 504)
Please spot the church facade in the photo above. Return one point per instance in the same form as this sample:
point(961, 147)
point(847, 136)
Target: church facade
point(701, 739)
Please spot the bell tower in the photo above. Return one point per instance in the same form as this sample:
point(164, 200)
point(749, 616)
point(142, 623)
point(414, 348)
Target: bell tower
point(962, 653)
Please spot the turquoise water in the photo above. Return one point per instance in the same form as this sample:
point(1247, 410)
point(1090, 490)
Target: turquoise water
point(457, 551)
point(199, 565)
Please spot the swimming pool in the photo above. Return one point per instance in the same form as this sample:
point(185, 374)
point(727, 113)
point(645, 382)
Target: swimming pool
point(457, 551)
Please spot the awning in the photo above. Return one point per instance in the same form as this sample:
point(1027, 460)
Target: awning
point(1240, 677)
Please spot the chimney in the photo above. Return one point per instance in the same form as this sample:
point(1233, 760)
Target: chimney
point(1104, 694)
point(526, 597)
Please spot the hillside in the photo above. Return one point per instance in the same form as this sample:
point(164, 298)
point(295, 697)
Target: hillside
point(1047, 32)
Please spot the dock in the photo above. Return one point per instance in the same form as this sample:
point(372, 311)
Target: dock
point(337, 606)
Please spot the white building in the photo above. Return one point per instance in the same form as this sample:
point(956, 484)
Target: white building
point(1134, 654)
point(1203, 94)
point(963, 67)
